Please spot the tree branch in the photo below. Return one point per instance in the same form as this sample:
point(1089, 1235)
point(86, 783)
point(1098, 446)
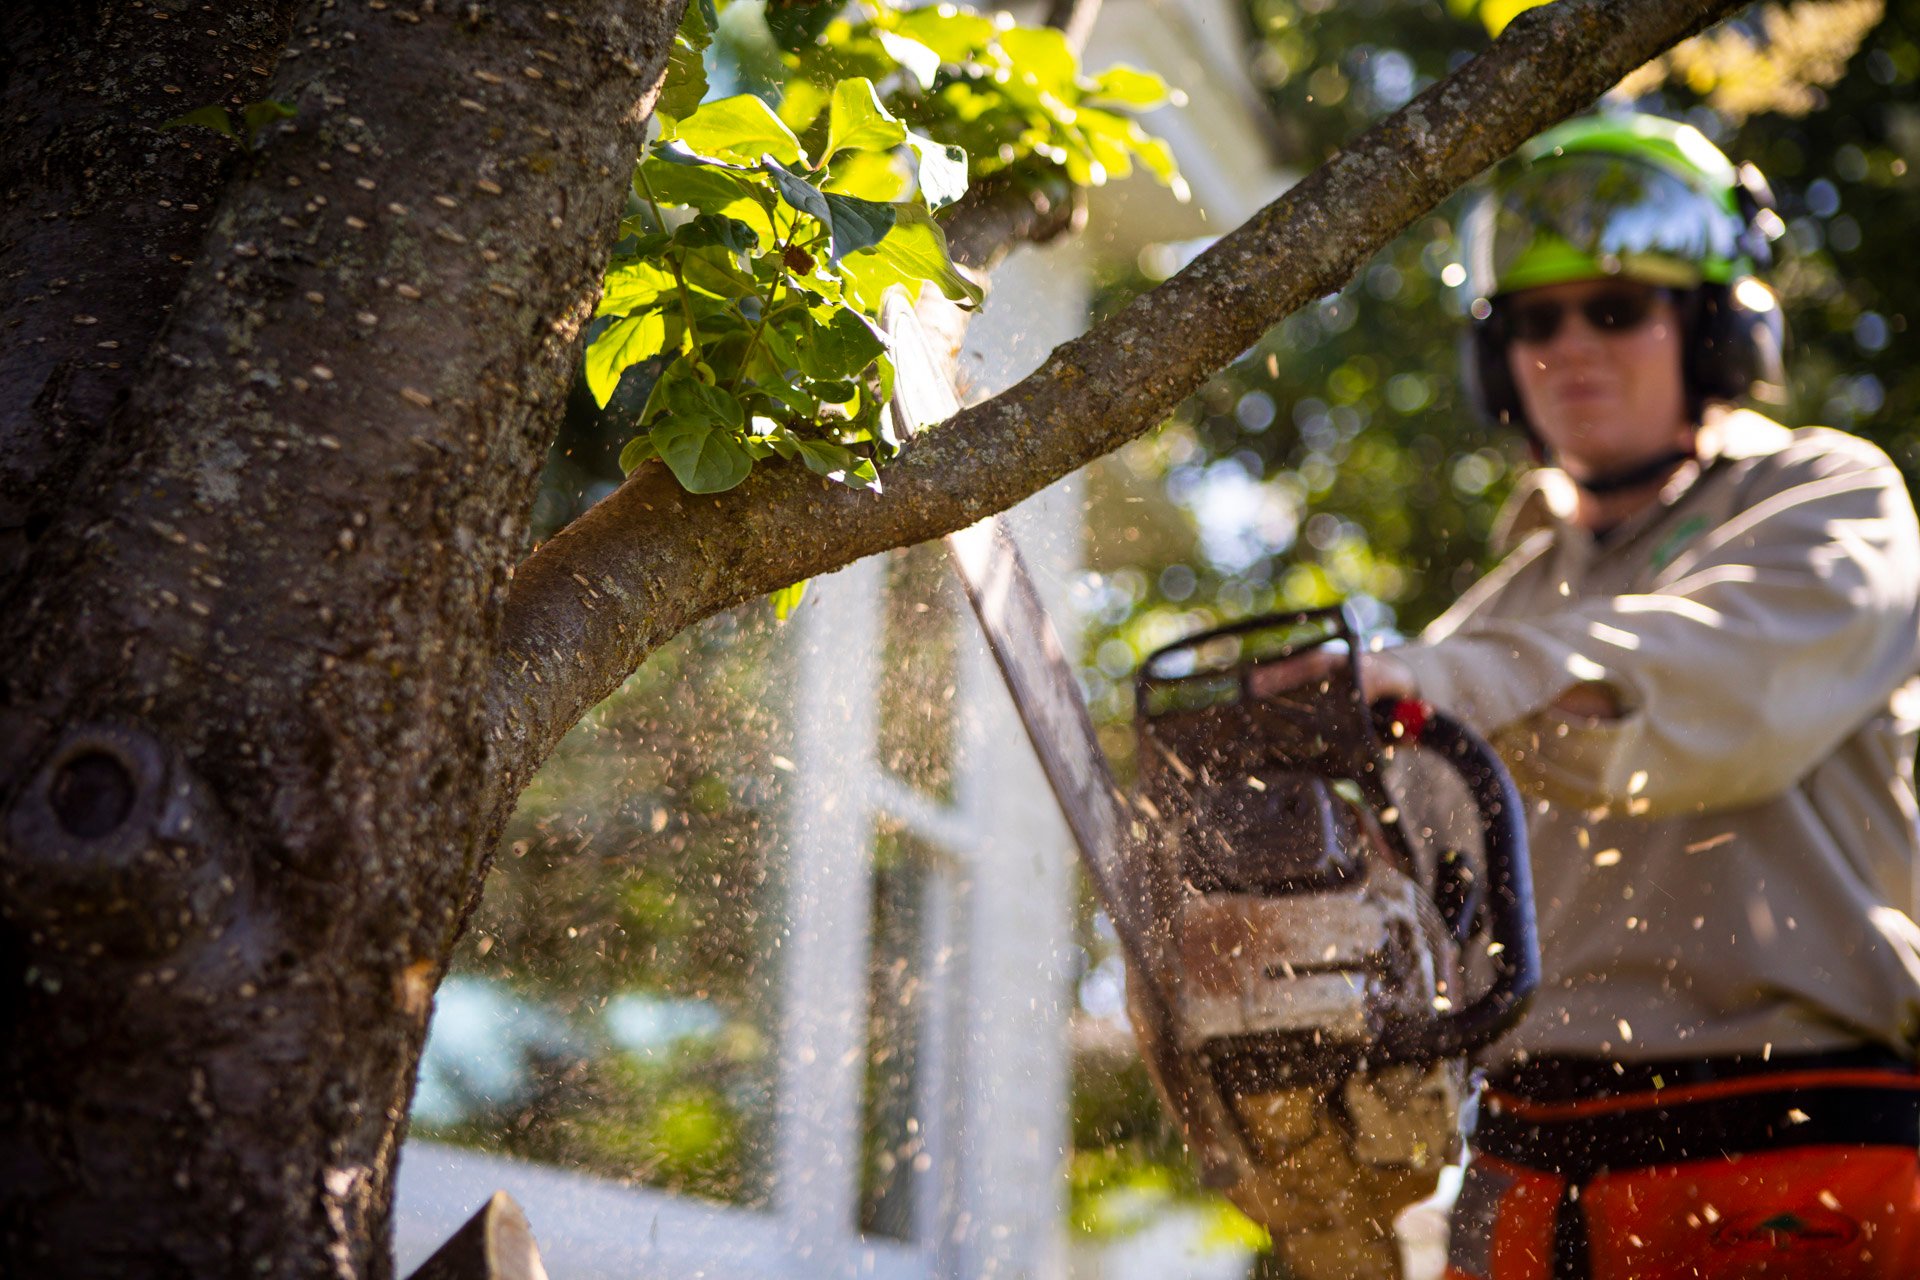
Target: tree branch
point(589, 605)
point(1074, 19)
point(1003, 211)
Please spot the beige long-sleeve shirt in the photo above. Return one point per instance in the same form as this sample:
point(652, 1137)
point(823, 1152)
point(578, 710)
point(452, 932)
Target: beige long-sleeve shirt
point(1729, 866)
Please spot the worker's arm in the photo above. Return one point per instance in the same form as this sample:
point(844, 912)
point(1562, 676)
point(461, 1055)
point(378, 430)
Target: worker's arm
point(1771, 640)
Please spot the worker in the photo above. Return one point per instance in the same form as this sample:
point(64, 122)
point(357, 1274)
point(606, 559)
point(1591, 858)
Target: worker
point(1698, 659)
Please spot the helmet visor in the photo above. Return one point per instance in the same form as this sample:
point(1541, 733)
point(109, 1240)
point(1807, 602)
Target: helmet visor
point(1581, 217)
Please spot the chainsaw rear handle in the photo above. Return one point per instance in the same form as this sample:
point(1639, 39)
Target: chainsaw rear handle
point(1509, 905)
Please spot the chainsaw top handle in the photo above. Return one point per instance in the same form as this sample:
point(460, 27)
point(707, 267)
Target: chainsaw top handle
point(1204, 683)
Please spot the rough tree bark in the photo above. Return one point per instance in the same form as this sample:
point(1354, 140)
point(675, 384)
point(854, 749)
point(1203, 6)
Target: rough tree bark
point(270, 425)
point(246, 795)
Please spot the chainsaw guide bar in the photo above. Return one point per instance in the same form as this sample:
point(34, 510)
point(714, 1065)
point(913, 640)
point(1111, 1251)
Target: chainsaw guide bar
point(1129, 873)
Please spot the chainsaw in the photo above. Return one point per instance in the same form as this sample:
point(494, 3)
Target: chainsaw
point(1296, 949)
point(1318, 933)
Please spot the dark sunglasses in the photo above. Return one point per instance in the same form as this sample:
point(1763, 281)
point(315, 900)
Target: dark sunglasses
point(1535, 320)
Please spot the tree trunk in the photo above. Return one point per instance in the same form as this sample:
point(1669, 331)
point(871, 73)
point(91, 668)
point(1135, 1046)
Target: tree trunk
point(248, 793)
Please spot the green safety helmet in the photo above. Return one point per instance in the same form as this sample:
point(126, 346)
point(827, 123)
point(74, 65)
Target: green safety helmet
point(1619, 195)
point(1641, 198)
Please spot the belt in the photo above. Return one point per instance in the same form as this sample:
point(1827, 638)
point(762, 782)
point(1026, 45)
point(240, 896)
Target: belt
point(1567, 1079)
point(1714, 1108)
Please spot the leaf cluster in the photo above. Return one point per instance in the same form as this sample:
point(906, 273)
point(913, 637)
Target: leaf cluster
point(745, 292)
point(1015, 98)
point(748, 282)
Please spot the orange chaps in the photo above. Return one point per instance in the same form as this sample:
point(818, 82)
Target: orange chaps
point(1789, 1175)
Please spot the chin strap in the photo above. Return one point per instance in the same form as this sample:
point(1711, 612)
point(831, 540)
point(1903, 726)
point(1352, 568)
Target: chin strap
point(1633, 477)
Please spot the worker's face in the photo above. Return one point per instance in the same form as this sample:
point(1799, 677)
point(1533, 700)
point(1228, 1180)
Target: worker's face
point(1598, 367)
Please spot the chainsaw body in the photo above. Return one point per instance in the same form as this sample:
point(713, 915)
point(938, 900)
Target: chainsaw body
point(1316, 946)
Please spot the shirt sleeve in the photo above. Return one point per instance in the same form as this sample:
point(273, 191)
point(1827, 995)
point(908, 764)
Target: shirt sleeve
point(1760, 650)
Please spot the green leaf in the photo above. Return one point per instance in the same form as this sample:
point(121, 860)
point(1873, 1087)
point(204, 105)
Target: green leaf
point(713, 229)
point(621, 345)
point(704, 456)
point(214, 118)
point(727, 190)
point(943, 171)
point(686, 81)
point(798, 192)
point(256, 116)
point(1130, 87)
point(642, 245)
point(775, 359)
point(677, 152)
point(882, 396)
point(837, 349)
point(685, 84)
point(883, 369)
point(913, 252)
point(1157, 156)
point(632, 286)
point(741, 128)
point(1042, 58)
point(855, 223)
point(712, 270)
point(637, 452)
point(848, 50)
point(688, 397)
point(851, 223)
point(801, 102)
point(822, 455)
point(838, 463)
point(918, 60)
point(796, 24)
point(957, 36)
point(857, 121)
point(1110, 138)
point(797, 400)
point(1496, 14)
point(871, 175)
point(787, 599)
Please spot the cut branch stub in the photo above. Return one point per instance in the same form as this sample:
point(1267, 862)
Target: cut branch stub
point(108, 847)
point(496, 1244)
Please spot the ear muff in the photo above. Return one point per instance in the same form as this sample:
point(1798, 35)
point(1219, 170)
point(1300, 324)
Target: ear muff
point(1736, 343)
point(1488, 382)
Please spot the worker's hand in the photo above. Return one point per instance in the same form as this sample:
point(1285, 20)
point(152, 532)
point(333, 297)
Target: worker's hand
point(1592, 699)
point(1382, 675)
